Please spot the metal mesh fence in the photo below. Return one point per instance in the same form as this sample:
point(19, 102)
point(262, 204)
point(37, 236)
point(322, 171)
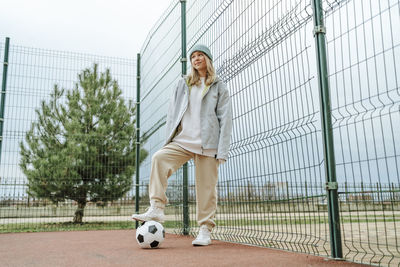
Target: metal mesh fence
point(364, 66)
point(272, 191)
point(32, 74)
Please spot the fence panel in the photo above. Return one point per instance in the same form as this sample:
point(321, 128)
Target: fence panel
point(161, 69)
point(276, 145)
point(32, 74)
point(364, 65)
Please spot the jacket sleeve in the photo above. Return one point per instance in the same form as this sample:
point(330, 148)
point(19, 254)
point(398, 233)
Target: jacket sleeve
point(224, 115)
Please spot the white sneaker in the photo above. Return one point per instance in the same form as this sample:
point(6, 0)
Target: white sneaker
point(152, 214)
point(203, 238)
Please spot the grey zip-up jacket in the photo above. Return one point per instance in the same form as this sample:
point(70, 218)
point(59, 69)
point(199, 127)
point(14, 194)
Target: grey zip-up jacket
point(215, 115)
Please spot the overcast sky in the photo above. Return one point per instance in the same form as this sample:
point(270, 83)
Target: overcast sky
point(109, 28)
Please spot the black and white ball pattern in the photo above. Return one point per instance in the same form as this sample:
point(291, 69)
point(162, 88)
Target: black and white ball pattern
point(150, 234)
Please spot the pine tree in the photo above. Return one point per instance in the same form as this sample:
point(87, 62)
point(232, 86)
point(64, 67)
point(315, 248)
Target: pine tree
point(82, 147)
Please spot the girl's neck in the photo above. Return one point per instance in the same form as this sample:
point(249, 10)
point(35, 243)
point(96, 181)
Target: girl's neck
point(202, 74)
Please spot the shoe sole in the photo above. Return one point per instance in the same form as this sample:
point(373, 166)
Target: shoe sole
point(140, 220)
point(201, 244)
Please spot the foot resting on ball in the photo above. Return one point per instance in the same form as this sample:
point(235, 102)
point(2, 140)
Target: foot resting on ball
point(203, 238)
point(152, 214)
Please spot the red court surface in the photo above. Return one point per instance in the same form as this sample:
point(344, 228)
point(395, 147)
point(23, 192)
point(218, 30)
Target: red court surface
point(119, 248)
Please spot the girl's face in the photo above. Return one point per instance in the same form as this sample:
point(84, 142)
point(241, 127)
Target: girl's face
point(198, 61)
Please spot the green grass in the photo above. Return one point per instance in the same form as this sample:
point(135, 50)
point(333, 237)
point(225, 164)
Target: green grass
point(64, 226)
point(70, 226)
point(119, 225)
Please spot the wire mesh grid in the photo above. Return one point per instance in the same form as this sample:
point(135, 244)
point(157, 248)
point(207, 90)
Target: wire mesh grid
point(32, 75)
point(272, 189)
point(363, 48)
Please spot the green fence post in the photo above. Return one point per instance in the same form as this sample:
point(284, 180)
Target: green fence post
point(185, 166)
point(137, 136)
point(3, 91)
point(329, 155)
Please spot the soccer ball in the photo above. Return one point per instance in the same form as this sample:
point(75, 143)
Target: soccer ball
point(150, 234)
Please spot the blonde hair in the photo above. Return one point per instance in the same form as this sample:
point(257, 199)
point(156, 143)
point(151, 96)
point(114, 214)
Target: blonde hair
point(194, 77)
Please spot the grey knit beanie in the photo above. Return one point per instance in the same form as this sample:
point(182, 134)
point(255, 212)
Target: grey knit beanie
point(201, 48)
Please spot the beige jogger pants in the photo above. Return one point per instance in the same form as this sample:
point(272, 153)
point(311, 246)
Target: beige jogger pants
point(169, 159)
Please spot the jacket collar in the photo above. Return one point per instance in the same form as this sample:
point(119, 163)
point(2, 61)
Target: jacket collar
point(205, 91)
point(185, 77)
